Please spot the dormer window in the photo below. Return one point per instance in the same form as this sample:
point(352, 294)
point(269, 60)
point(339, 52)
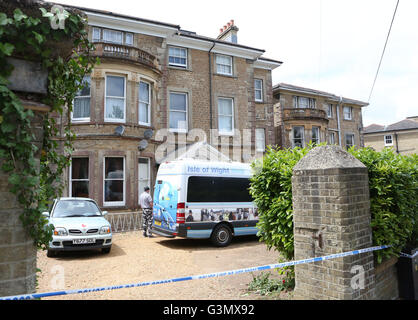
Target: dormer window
point(112, 36)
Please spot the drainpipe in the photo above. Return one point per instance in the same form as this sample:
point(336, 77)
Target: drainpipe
point(338, 121)
point(397, 146)
point(210, 90)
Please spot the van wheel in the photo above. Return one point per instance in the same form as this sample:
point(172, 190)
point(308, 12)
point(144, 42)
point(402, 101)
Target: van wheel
point(221, 236)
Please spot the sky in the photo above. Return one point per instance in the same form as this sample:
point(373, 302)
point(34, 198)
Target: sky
point(329, 45)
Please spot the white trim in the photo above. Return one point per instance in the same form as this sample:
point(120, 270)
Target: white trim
point(178, 64)
point(263, 149)
point(293, 136)
point(80, 120)
point(227, 133)
point(149, 176)
point(391, 138)
point(351, 113)
point(129, 25)
point(178, 130)
point(266, 65)
point(220, 64)
point(124, 100)
point(261, 90)
point(319, 134)
point(149, 103)
point(114, 203)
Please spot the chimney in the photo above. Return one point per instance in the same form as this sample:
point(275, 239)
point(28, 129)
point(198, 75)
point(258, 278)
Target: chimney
point(229, 32)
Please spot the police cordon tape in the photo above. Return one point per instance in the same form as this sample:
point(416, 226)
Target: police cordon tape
point(409, 255)
point(204, 276)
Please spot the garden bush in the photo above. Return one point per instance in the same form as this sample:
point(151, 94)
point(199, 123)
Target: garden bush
point(393, 181)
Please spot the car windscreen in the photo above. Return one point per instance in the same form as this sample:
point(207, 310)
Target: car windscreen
point(76, 208)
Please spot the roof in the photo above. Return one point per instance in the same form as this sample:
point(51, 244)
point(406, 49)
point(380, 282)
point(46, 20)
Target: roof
point(397, 126)
point(330, 96)
point(180, 32)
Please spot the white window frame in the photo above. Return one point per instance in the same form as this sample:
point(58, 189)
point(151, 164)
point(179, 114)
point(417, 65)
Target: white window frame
point(70, 188)
point(99, 30)
point(258, 90)
point(319, 135)
point(126, 37)
point(349, 115)
point(332, 138)
point(141, 190)
point(178, 65)
point(149, 103)
point(260, 145)
point(330, 110)
point(352, 138)
point(87, 119)
point(124, 100)
point(121, 33)
point(221, 64)
point(227, 133)
point(114, 203)
point(388, 144)
point(311, 102)
point(179, 130)
point(293, 136)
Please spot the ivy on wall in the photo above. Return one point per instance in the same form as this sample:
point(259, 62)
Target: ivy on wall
point(33, 38)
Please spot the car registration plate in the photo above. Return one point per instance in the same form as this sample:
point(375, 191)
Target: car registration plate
point(84, 241)
point(157, 223)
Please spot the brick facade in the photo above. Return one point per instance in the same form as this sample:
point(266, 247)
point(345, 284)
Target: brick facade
point(332, 215)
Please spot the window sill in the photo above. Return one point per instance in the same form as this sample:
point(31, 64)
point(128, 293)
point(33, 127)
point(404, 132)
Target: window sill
point(178, 130)
point(180, 68)
point(226, 75)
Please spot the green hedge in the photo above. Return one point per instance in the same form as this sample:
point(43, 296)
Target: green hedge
point(393, 181)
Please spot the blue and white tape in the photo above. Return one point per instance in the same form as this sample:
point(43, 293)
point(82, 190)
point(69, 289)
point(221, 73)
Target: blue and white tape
point(409, 255)
point(203, 276)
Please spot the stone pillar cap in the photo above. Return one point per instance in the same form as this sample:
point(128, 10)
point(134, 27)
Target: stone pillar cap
point(328, 157)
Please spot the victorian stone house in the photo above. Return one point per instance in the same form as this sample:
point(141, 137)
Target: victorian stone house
point(304, 115)
point(158, 89)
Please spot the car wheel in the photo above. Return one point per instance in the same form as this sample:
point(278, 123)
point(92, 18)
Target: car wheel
point(51, 253)
point(221, 236)
point(106, 250)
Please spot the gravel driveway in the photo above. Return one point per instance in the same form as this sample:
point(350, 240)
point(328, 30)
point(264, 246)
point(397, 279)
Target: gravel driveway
point(136, 259)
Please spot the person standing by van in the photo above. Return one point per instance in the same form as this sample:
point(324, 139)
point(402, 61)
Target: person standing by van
point(145, 201)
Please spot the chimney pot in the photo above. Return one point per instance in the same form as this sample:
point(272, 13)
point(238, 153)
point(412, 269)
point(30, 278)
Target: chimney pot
point(225, 27)
point(221, 30)
point(229, 24)
point(232, 21)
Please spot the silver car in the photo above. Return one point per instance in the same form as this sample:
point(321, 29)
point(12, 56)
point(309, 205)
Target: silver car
point(79, 224)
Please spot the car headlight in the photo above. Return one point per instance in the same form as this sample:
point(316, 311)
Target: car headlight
point(105, 230)
point(60, 232)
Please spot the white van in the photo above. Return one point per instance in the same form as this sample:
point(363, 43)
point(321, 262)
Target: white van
point(204, 200)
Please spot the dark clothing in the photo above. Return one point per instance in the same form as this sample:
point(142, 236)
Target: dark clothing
point(147, 221)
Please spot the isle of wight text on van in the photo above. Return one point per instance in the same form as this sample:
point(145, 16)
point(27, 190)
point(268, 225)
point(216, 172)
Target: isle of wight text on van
point(215, 170)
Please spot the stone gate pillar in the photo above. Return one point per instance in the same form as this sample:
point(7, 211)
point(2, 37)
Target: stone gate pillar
point(332, 215)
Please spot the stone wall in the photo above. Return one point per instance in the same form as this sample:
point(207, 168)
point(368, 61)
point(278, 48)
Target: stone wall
point(17, 250)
